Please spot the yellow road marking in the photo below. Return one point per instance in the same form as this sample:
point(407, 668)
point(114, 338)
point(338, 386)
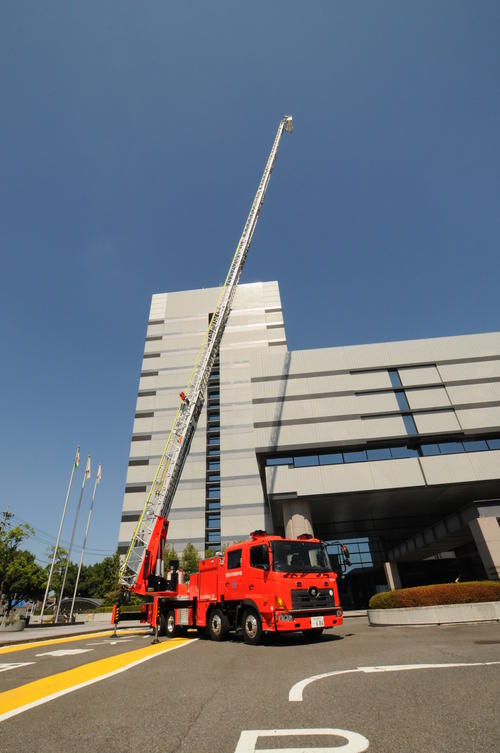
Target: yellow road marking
point(32, 694)
point(68, 639)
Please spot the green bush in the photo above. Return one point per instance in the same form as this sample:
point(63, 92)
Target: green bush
point(443, 593)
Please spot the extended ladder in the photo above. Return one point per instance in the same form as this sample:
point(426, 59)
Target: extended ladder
point(161, 493)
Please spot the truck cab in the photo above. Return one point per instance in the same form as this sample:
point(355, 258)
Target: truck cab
point(267, 584)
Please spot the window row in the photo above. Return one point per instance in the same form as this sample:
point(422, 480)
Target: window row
point(388, 453)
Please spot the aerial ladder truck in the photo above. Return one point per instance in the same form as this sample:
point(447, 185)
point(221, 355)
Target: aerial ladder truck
point(170, 604)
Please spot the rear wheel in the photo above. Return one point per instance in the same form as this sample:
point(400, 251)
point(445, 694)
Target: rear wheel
point(171, 629)
point(218, 625)
point(251, 626)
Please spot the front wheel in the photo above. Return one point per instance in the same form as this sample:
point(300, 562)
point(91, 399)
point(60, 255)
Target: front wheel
point(252, 627)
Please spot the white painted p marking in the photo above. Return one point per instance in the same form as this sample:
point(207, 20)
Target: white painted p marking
point(356, 743)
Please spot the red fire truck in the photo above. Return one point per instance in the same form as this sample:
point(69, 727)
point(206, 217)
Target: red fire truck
point(263, 585)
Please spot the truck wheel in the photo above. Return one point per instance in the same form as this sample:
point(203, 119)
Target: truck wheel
point(171, 629)
point(251, 625)
point(218, 625)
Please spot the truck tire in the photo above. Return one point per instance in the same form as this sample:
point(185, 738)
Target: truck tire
point(251, 626)
point(218, 625)
point(171, 629)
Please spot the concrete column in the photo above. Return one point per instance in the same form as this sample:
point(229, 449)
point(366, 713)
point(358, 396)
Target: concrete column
point(486, 533)
point(391, 571)
point(297, 519)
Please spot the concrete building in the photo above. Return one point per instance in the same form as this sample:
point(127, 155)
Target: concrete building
point(220, 496)
point(395, 443)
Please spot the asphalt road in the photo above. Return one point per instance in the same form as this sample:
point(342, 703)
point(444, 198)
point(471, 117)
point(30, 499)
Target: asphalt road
point(198, 696)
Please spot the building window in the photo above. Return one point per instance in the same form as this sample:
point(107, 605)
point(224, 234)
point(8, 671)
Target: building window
point(409, 423)
point(306, 460)
point(475, 445)
point(279, 461)
point(212, 478)
point(355, 457)
point(381, 453)
point(401, 399)
point(213, 522)
point(404, 452)
point(331, 459)
point(395, 378)
point(393, 452)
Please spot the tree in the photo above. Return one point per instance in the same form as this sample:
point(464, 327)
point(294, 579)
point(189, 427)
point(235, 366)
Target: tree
point(58, 572)
point(169, 554)
point(21, 578)
point(189, 562)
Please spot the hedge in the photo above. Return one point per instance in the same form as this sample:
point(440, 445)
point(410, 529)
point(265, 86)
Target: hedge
point(443, 593)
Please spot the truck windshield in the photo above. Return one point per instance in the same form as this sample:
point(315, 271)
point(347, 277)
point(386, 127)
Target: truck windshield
point(299, 556)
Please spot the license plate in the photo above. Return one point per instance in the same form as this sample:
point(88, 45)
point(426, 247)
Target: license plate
point(317, 622)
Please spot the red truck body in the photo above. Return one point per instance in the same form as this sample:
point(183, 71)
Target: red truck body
point(265, 584)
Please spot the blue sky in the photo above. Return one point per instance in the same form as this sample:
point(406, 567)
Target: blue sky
point(132, 138)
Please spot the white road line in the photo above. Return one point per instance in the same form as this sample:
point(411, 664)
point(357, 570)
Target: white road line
point(297, 689)
point(356, 743)
point(110, 643)
point(65, 652)
point(14, 665)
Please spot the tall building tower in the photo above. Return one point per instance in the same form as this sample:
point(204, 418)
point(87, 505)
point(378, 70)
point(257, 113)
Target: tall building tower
point(220, 497)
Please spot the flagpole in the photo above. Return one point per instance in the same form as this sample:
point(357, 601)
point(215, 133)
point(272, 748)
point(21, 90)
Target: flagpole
point(86, 475)
point(97, 479)
point(75, 466)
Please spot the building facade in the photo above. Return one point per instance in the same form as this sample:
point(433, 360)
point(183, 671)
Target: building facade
point(397, 443)
point(220, 496)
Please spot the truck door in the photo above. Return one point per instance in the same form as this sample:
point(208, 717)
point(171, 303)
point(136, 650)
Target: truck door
point(258, 572)
point(233, 577)
point(258, 586)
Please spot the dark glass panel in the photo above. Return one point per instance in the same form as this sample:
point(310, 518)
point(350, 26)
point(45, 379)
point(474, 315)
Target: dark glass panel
point(306, 460)
point(381, 453)
point(430, 449)
point(475, 445)
point(332, 459)
point(355, 457)
point(450, 448)
point(394, 377)
point(402, 401)
point(404, 452)
point(410, 424)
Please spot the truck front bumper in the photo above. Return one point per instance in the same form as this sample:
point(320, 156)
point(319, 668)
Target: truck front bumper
point(288, 621)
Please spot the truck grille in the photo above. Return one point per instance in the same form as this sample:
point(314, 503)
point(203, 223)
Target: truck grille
point(303, 599)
